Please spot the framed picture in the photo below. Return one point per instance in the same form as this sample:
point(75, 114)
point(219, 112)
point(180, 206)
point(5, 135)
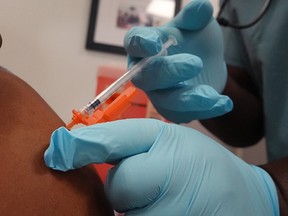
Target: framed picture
point(110, 19)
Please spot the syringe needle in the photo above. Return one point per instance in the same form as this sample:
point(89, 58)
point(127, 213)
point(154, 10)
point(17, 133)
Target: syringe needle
point(126, 77)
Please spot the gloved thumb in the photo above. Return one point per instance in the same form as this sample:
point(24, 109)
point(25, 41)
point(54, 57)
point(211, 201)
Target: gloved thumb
point(194, 16)
point(107, 142)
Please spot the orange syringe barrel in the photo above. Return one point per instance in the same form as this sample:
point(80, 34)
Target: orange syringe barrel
point(115, 107)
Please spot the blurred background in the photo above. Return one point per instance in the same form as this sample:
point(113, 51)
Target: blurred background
point(44, 44)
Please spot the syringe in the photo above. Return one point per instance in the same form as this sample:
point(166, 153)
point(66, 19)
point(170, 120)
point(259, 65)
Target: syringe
point(125, 78)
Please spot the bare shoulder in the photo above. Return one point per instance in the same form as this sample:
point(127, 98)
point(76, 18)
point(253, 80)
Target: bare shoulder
point(27, 186)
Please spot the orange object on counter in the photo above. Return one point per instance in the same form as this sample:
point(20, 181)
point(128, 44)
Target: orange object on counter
point(112, 109)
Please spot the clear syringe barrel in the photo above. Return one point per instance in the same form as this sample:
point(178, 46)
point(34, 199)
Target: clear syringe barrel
point(125, 78)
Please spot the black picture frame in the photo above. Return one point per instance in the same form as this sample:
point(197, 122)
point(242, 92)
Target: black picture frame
point(92, 43)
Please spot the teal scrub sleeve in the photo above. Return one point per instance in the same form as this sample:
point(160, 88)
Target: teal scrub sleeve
point(165, 169)
point(187, 83)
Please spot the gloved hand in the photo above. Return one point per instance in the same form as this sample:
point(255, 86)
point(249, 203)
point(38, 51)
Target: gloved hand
point(184, 85)
point(165, 169)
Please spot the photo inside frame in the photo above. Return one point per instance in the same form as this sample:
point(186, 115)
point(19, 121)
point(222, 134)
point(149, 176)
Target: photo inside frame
point(115, 18)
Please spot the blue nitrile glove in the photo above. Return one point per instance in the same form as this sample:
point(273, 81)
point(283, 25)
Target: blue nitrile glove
point(165, 169)
point(185, 85)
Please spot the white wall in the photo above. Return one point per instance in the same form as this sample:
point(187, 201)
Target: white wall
point(43, 43)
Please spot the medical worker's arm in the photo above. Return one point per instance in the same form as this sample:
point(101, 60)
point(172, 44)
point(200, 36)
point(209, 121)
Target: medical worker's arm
point(165, 169)
point(243, 126)
point(27, 186)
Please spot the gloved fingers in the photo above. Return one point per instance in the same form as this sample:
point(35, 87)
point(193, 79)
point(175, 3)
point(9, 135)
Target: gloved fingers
point(106, 142)
point(223, 106)
point(194, 16)
point(168, 71)
point(188, 99)
point(135, 182)
point(143, 41)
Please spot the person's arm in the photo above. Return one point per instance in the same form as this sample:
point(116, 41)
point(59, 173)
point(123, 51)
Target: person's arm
point(243, 126)
point(27, 186)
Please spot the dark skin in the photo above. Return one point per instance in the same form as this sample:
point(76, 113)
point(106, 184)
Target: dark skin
point(27, 186)
point(243, 126)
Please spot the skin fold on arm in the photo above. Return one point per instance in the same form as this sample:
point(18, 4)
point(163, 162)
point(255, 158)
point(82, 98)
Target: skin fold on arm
point(27, 186)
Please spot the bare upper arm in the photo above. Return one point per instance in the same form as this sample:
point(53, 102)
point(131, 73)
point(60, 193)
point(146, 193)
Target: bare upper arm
point(27, 186)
